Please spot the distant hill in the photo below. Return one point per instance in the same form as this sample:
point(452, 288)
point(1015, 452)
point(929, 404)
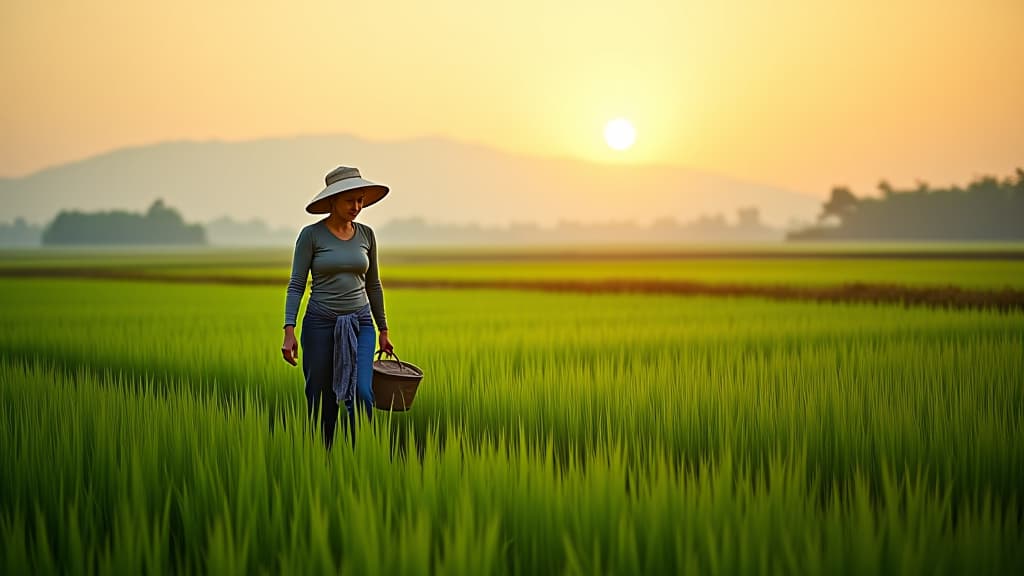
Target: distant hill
point(434, 179)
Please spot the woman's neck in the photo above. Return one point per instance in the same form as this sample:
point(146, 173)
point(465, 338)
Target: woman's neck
point(338, 223)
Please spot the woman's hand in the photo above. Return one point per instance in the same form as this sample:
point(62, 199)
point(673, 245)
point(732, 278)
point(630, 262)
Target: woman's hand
point(290, 348)
point(385, 343)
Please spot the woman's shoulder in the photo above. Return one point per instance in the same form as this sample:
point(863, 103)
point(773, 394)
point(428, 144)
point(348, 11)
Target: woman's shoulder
point(309, 232)
point(311, 228)
point(366, 230)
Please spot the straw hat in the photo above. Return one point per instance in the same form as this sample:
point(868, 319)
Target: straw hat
point(344, 179)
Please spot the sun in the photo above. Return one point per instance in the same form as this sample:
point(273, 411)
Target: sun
point(619, 133)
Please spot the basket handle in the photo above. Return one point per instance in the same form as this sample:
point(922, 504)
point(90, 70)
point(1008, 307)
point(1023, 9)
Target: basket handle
point(397, 359)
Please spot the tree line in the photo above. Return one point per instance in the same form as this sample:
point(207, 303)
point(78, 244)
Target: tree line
point(665, 230)
point(988, 208)
point(159, 225)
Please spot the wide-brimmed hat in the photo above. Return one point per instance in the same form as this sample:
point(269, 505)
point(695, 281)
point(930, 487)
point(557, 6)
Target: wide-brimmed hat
point(345, 179)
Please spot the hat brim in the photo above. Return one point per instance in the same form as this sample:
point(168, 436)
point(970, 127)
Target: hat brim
point(321, 203)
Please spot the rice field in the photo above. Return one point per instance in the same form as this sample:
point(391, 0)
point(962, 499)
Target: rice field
point(152, 427)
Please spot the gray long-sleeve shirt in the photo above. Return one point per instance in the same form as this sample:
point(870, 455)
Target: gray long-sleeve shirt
point(344, 272)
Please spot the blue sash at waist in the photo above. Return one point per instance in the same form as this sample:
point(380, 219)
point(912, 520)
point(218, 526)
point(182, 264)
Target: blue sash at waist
point(346, 342)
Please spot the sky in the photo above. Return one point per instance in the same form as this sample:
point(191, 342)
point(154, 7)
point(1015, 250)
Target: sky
point(802, 94)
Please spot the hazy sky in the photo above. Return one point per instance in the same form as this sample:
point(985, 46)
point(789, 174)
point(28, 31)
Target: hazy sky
point(798, 93)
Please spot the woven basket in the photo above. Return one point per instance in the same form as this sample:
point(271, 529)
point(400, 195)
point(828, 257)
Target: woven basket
point(394, 384)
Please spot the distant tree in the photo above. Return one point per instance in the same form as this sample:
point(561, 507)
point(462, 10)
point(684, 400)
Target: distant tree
point(159, 225)
point(224, 231)
point(665, 223)
point(841, 204)
point(748, 218)
point(20, 233)
point(987, 209)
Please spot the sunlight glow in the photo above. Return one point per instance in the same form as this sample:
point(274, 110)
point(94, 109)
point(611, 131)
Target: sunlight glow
point(619, 133)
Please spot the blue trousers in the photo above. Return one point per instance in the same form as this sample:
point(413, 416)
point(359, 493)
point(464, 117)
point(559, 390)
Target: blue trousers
point(317, 339)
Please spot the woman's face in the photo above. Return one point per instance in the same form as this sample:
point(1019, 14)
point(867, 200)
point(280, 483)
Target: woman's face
point(347, 205)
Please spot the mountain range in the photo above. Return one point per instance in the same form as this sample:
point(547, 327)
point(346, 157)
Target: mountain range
point(434, 179)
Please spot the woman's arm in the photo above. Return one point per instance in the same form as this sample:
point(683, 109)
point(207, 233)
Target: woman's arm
point(375, 294)
point(301, 262)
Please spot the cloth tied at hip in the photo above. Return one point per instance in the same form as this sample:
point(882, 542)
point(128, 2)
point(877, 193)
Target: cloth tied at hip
point(346, 345)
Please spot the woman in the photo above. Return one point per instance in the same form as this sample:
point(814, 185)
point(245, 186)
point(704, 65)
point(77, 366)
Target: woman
point(337, 329)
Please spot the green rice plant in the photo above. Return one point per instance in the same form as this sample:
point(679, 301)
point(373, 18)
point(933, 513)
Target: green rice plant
point(132, 480)
point(154, 427)
point(850, 383)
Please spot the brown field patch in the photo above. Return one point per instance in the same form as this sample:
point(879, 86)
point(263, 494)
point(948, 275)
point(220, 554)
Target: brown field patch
point(1006, 299)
